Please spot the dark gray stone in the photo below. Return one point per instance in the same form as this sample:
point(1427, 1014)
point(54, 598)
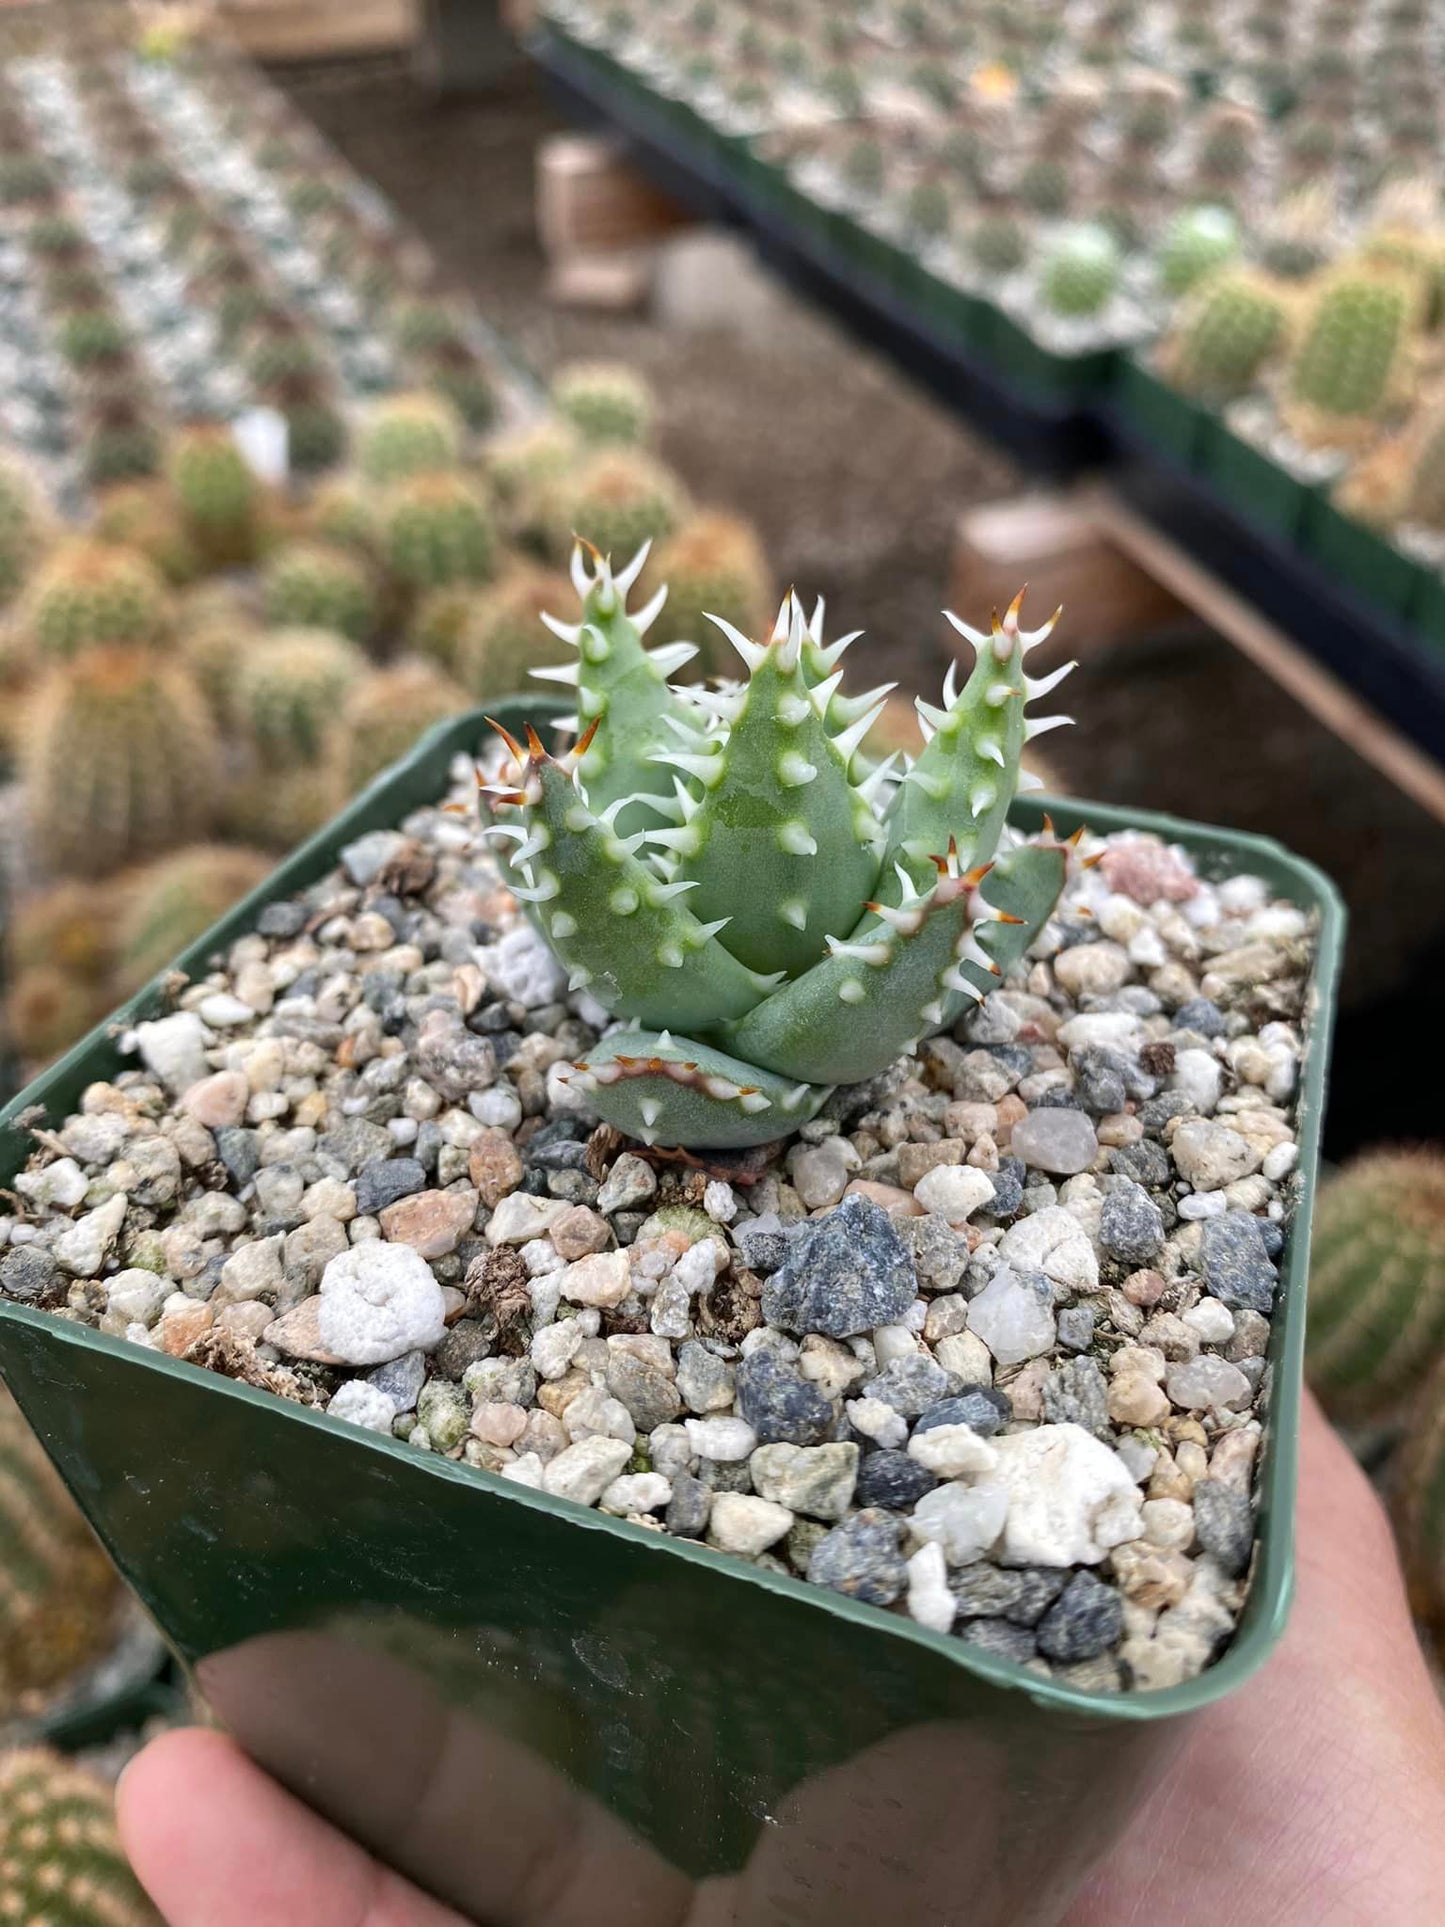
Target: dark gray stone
point(1131, 1226)
point(780, 1406)
point(911, 1385)
point(847, 1273)
point(1075, 1393)
point(891, 1480)
point(724, 1475)
point(1236, 1263)
point(1224, 1522)
point(650, 1396)
point(353, 1143)
point(980, 1407)
point(455, 1063)
point(940, 1254)
point(467, 1341)
point(1086, 1619)
point(385, 1180)
point(762, 1251)
point(26, 1273)
point(688, 1508)
point(1002, 1640)
point(282, 920)
point(240, 1151)
point(862, 1558)
point(1008, 1188)
point(1200, 1014)
point(1160, 1110)
point(1145, 1162)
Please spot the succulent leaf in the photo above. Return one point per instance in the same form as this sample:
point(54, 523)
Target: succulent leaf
point(667, 1090)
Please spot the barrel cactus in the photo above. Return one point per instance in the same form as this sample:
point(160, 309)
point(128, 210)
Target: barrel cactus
point(1353, 359)
point(1377, 1283)
point(798, 919)
point(61, 1862)
point(618, 500)
point(1081, 270)
point(315, 585)
point(999, 243)
point(168, 904)
point(713, 565)
point(24, 527)
point(604, 401)
point(59, 1594)
point(90, 595)
point(143, 516)
point(386, 713)
point(120, 761)
point(1418, 1504)
point(217, 492)
point(407, 435)
point(290, 688)
point(1196, 243)
point(438, 529)
point(1225, 336)
point(502, 638)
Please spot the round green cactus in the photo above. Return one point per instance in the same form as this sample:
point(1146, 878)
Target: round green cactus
point(463, 379)
point(386, 714)
point(1225, 337)
point(142, 516)
point(24, 527)
point(438, 529)
point(928, 209)
point(998, 243)
point(1353, 357)
point(61, 1863)
point(502, 638)
point(89, 337)
point(90, 594)
point(1418, 1504)
point(1198, 241)
point(605, 401)
point(1377, 1284)
point(714, 566)
point(120, 761)
point(616, 500)
point(217, 492)
point(407, 435)
point(526, 469)
point(43, 1012)
point(1080, 272)
point(344, 514)
point(290, 689)
point(277, 809)
point(312, 585)
point(799, 923)
point(164, 907)
point(59, 1594)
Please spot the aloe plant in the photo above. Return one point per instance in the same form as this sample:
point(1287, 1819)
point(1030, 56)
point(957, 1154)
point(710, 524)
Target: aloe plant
point(771, 912)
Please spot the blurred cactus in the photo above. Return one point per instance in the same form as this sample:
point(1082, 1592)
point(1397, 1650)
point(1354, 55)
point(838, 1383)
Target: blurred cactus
point(219, 496)
point(1080, 273)
point(1353, 359)
point(59, 1594)
point(1418, 1504)
point(1227, 147)
point(1225, 336)
point(1377, 1284)
point(438, 529)
point(90, 594)
point(120, 761)
point(713, 567)
point(998, 243)
point(312, 585)
point(606, 402)
point(344, 514)
point(143, 516)
point(217, 628)
point(44, 1012)
point(67, 927)
point(525, 469)
point(503, 636)
point(1197, 242)
point(277, 809)
point(407, 435)
point(290, 690)
point(61, 1863)
point(163, 908)
point(386, 714)
point(24, 527)
point(1294, 238)
point(617, 500)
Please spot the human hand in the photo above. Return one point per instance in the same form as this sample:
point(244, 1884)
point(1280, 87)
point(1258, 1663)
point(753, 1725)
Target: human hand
point(1316, 1795)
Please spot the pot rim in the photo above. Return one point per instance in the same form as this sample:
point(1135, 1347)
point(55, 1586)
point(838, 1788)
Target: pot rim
point(413, 781)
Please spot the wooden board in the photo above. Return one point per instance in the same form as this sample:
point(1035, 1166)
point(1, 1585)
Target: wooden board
point(318, 29)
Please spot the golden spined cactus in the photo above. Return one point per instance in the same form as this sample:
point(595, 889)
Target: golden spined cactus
point(61, 1863)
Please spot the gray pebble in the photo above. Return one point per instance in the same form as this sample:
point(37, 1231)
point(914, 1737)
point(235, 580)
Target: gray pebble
point(780, 1406)
point(999, 1638)
point(892, 1480)
point(27, 1273)
point(1085, 1620)
point(1075, 1393)
point(688, 1508)
point(862, 1558)
point(1131, 1226)
point(981, 1408)
point(1224, 1523)
point(1236, 1264)
point(847, 1273)
point(384, 1181)
point(911, 1385)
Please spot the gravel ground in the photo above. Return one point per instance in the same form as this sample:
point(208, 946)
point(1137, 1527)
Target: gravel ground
point(985, 1344)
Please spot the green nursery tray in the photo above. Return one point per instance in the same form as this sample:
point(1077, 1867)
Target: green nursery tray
point(1359, 559)
point(1026, 365)
point(1257, 489)
point(470, 1675)
point(1155, 413)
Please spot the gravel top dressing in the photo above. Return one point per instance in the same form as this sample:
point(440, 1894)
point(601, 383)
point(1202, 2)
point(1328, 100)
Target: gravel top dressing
point(984, 1343)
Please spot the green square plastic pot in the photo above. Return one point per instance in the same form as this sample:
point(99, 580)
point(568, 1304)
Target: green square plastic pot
point(873, 255)
point(1254, 485)
point(1427, 610)
point(472, 1676)
point(1358, 558)
point(1158, 414)
point(1026, 365)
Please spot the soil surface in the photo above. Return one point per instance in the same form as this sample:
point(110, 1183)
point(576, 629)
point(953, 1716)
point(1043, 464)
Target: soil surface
point(857, 478)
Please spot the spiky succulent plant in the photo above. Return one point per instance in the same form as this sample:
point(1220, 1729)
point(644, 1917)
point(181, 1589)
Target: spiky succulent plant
point(800, 916)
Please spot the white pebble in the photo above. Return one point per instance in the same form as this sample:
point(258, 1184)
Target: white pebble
point(727, 1439)
point(378, 1301)
point(741, 1522)
point(1203, 1204)
point(222, 1011)
point(174, 1049)
point(362, 1404)
point(585, 1470)
point(1199, 1076)
point(1279, 1162)
point(930, 1602)
point(500, 1106)
point(1213, 1322)
point(720, 1202)
point(952, 1451)
point(637, 1492)
point(965, 1520)
point(954, 1191)
point(61, 1185)
point(525, 1470)
point(891, 1342)
point(1070, 1499)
